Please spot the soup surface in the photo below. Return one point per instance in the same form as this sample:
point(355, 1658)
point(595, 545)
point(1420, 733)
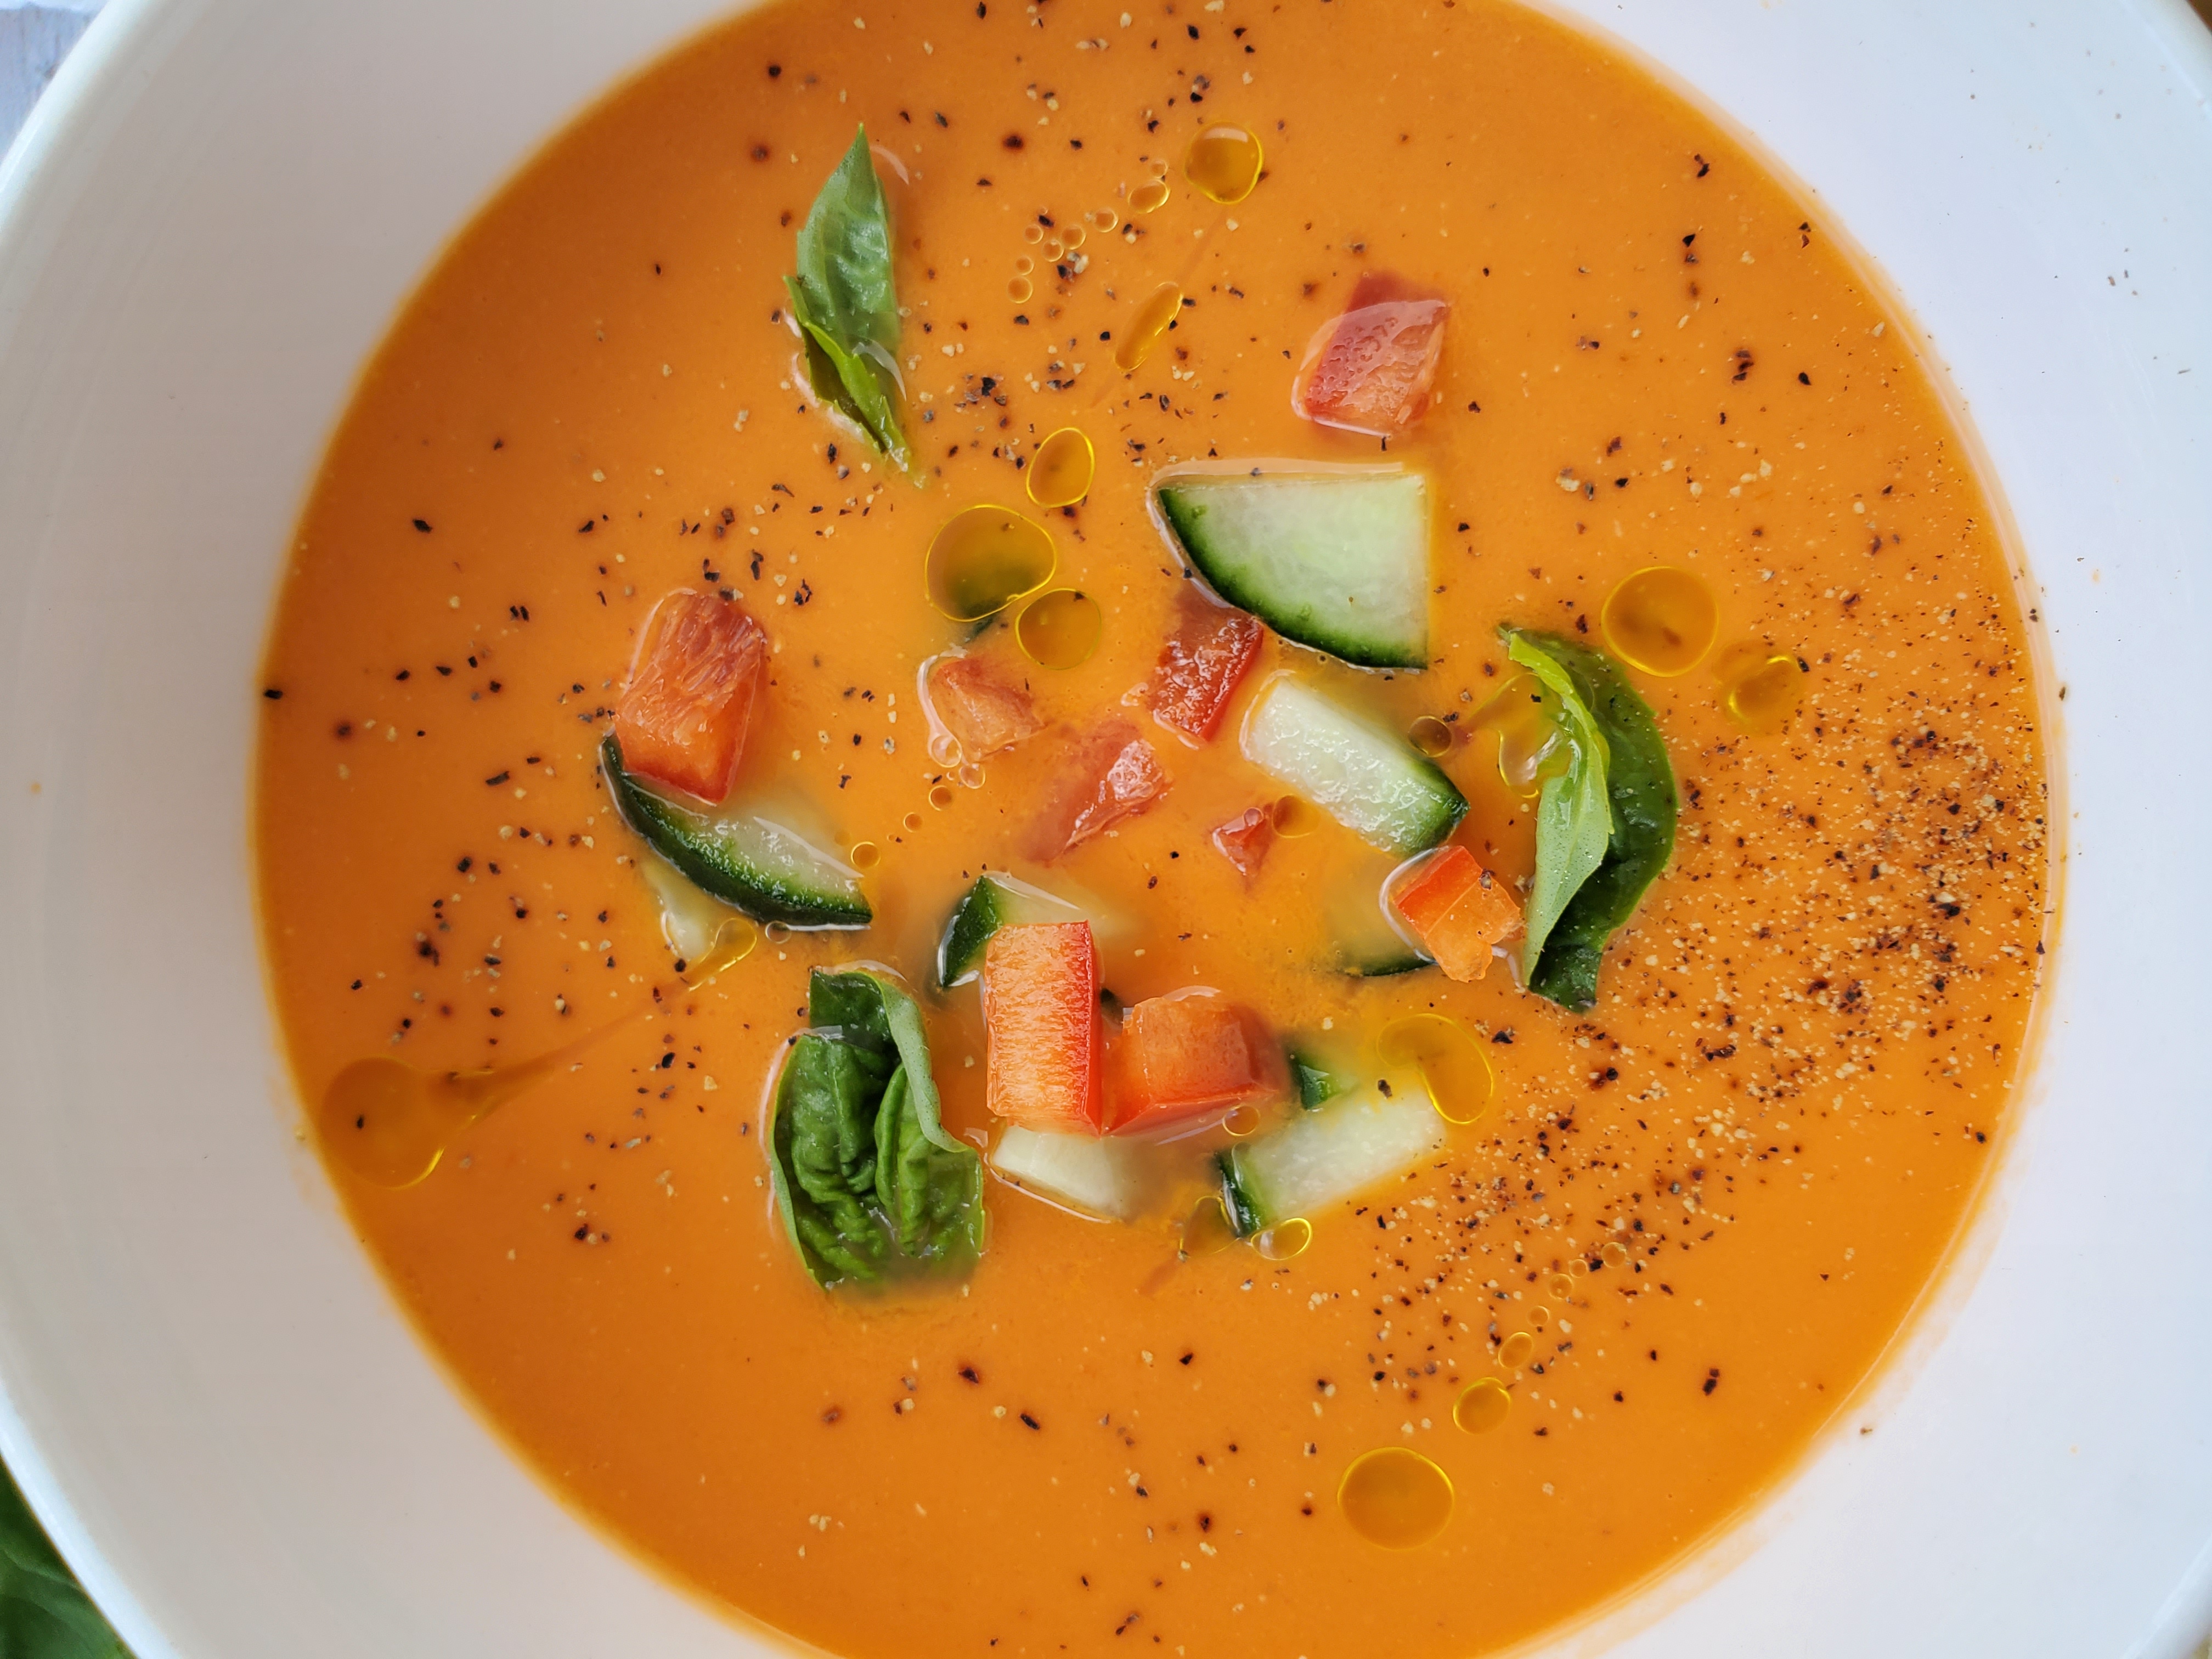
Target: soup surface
point(1694, 1214)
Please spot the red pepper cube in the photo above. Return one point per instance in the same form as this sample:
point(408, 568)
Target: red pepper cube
point(983, 710)
point(1459, 910)
point(1103, 776)
point(1202, 666)
point(1245, 839)
point(1370, 369)
point(1043, 1051)
point(684, 716)
point(1188, 1055)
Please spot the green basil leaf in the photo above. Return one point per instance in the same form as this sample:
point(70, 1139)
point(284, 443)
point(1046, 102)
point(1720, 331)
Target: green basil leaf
point(823, 1163)
point(869, 1181)
point(845, 303)
point(1640, 786)
point(44, 1614)
point(1574, 817)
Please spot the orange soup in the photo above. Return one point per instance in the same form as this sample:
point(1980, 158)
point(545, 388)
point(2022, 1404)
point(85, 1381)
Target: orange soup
point(1377, 676)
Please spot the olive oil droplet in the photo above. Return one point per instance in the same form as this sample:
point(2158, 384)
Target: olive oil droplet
point(1285, 1239)
point(1018, 290)
point(1765, 699)
point(1528, 736)
point(983, 559)
point(1516, 1350)
point(1223, 164)
point(1243, 1120)
point(1660, 620)
point(1150, 197)
point(865, 855)
point(1061, 470)
point(1206, 1229)
point(1295, 818)
point(1395, 1497)
point(940, 796)
point(1059, 629)
point(1431, 736)
point(1153, 319)
point(912, 820)
point(1559, 1285)
point(1483, 1406)
point(1452, 1065)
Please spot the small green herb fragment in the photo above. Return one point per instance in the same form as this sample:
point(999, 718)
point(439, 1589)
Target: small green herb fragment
point(871, 1184)
point(844, 303)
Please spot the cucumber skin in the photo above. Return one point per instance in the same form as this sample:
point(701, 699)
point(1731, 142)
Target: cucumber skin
point(980, 914)
point(1316, 1084)
point(674, 833)
point(1243, 1214)
point(1185, 515)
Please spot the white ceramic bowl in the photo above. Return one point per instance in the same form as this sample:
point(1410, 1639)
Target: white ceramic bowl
point(207, 1394)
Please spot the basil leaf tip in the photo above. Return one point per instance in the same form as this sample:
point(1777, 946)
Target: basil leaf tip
point(844, 304)
point(871, 1185)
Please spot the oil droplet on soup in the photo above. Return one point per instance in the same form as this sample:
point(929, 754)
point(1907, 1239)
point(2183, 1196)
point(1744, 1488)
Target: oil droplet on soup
point(1660, 620)
point(1527, 733)
point(1285, 1239)
point(1223, 164)
point(1516, 1350)
point(1207, 1230)
point(1395, 1496)
point(1451, 1063)
point(1431, 736)
point(1061, 628)
point(1482, 1406)
point(1294, 817)
point(983, 559)
point(1150, 197)
point(1244, 1121)
point(1153, 320)
point(1061, 470)
point(865, 854)
point(1559, 1285)
point(1018, 290)
point(1760, 689)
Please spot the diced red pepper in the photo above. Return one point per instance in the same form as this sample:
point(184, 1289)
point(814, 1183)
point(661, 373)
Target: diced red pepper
point(1103, 776)
point(1043, 1048)
point(1188, 1055)
point(1202, 663)
point(1459, 910)
point(984, 711)
point(1245, 839)
point(1370, 369)
point(682, 718)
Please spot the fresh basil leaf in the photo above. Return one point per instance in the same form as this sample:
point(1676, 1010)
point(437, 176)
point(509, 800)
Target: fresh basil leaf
point(911, 1197)
point(845, 303)
point(1640, 785)
point(44, 1614)
point(1574, 818)
point(824, 1161)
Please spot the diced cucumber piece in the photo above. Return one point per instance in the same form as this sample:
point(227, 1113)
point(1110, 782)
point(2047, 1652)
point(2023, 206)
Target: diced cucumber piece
point(997, 900)
point(1369, 780)
point(1338, 560)
point(749, 862)
point(1316, 1085)
point(1322, 1157)
point(1365, 943)
point(1097, 1174)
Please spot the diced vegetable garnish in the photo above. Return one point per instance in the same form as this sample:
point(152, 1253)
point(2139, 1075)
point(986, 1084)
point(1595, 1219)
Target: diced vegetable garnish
point(1103, 776)
point(746, 860)
point(1338, 560)
point(1370, 370)
point(1322, 1157)
point(1044, 1048)
point(843, 303)
point(684, 716)
point(1458, 909)
point(1369, 780)
point(1098, 1175)
point(1245, 839)
point(1189, 1056)
point(1640, 807)
point(1312, 1077)
point(997, 900)
point(1204, 661)
point(978, 706)
point(869, 1181)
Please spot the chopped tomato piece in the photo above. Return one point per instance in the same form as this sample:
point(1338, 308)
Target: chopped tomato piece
point(683, 717)
point(1369, 370)
point(1202, 666)
point(1459, 910)
point(1103, 776)
point(984, 711)
point(1245, 839)
point(1190, 1055)
point(1041, 1023)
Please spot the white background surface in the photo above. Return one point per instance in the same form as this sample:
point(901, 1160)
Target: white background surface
point(202, 1385)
